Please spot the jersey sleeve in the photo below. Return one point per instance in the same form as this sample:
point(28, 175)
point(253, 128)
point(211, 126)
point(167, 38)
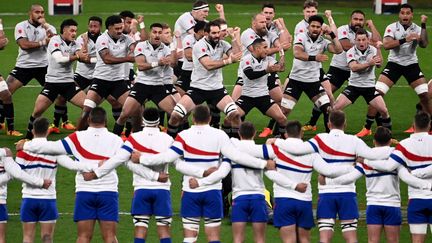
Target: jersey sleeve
point(350, 55)
point(200, 50)
point(247, 38)
point(20, 31)
point(52, 29)
point(300, 40)
point(139, 50)
point(227, 47)
point(342, 33)
point(54, 45)
point(389, 32)
point(101, 43)
point(188, 42)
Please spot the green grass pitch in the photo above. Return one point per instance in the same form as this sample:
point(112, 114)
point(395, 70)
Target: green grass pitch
point(401, 101)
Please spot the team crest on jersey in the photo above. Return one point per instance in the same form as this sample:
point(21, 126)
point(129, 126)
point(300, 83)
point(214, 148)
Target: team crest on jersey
point(20, 31)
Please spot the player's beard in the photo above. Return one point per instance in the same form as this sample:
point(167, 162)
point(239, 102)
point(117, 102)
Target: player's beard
point(213, 42)
point(355, 27)
point(93, 37)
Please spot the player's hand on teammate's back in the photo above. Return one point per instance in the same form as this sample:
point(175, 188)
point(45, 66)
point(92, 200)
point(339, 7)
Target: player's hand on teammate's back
point(209, 171)
point(193, 183)
point(47, 183)
point(135, 157)
point(301, 187)
point(271, 141)
point(101, 162)
point(271, 165)
point(88, 176)
point(20, 144)
point(163, 177)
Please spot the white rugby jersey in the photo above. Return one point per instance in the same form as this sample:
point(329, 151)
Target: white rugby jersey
point(201, 147)
point(184, 23)
point(273, 29)
point(117, 48)
point(335, 148)
point(35, 57)
point(414, 153)
point(188, 42)
point(406, 53)
point(202, 78)
point(153, 76)
point(9, 170)
point(45, 166)
point(340, 60)
point(256, 87)
point(366, 77)
point(60, 72)
point(88, 147)
point(301, 27)
point(86, 69)
point(308, 71)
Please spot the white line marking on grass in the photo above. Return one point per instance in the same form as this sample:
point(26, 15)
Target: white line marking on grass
point(227, 85)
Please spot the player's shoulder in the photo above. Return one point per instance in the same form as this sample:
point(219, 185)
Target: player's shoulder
point(22, 24)
point(249, 32)
point(391, 27)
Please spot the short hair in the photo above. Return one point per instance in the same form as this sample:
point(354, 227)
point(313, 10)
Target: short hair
point(209, 25)
point(220, 21)
point(165, 26)
point(201, 114)
point(316, 18)
point(362, 31)
point(258, 41)
point(247, 130)
point(98, 115)
point(422, 120)
point(156, 25)
point(310, 3)
point(358, 11)
point(293, 129)
point(199, 3)
point(40, 126)
point(151, 114)
point(337, 118)
point(268, 5)
point(67, 23)
point(95, 18)
point(112, 20)
point(382, 135)
point(406, 5)
point(127, 14)
point(200, 25)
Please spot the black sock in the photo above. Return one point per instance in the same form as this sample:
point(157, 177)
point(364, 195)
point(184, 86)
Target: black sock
point(316, 113)
point(282, 131)
point(29, 134)
point(271, 123)
point(226, 129)
point(9, 115)
point(276, 129)
point(185, 125)
point(2, 116)
point(324, 110)
point(215, 118)
point(172, 130)
point(369, 121)
point(419, 107)
point(116, 113)
point(234, 133)
point(58, 114)
point(118, 129)
point(378, 120)
point(386, 122)
point(65, 116)
point(161, 117)
point(128, 126)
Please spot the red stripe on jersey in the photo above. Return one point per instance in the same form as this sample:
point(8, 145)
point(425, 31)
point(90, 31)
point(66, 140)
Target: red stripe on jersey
point(366, 167)
point(139, 147)
point(193, 150)
point(82, 151)
point(284, 158)
point(329, 150)
point(30, 158)
point(411, 156)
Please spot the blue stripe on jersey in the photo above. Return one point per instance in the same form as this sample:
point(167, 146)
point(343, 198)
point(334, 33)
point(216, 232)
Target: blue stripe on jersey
point(200, 160)
point(237, 166)
point(380, 174)
point(292, 169)
point(66, 146)
point(398, 159)
point(313, 146)
point(265, 151)
point(360, 169)
point(418, 167)
point(129, 149)
point(37, 166)
point(226, 160)
point(177, 150)
point(339, 160)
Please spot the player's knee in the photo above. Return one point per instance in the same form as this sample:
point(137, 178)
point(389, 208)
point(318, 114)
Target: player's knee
point(422, 90)
point(230, 110)
point(322, 101)
point(141, 220)
point(349, 225)
point(3, 87)
point(281, 120)
point(382, 87)
point(191, 224)
point(179, 111)
point(208, 222)
point(163, 221)
point(420, 229)
point(47, 238)
point(326, 224)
